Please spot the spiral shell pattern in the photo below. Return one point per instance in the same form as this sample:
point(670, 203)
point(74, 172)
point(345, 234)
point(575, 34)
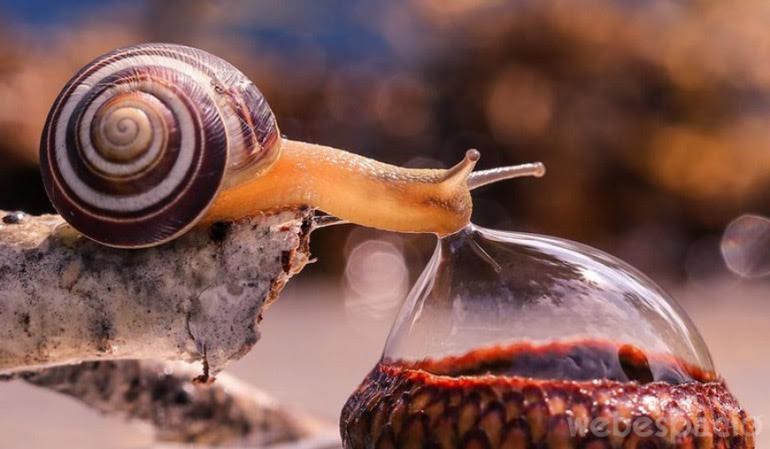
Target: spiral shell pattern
point(140, 141)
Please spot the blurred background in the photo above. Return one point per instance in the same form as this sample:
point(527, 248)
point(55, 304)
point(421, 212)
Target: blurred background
point(653, 118)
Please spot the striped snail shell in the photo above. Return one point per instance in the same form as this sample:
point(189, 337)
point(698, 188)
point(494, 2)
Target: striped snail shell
point(141, 140)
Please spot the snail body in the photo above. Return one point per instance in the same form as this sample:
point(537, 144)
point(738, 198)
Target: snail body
point(148, 141)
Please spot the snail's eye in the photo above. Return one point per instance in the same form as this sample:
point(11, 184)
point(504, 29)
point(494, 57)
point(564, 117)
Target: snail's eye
point(510, 304)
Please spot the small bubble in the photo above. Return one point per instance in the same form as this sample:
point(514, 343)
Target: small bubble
point(746, 246)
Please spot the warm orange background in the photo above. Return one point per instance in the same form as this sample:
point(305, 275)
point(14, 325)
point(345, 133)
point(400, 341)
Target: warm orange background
point(652, 117)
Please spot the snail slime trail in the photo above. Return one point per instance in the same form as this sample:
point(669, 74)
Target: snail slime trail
point(512, 340)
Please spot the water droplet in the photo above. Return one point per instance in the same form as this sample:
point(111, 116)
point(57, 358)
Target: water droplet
point(489, 289)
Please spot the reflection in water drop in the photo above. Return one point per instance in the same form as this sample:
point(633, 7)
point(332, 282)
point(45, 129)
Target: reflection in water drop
point(746, 246)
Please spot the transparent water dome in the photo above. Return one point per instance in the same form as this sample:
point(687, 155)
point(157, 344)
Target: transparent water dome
point(494, 302)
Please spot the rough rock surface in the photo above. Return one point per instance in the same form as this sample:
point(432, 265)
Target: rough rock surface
point(65, 299)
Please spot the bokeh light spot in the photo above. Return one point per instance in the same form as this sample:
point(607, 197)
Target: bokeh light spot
point(376, 279)
point(746, 246)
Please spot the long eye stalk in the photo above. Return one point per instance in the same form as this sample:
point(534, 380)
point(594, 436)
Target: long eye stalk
point(486, 177)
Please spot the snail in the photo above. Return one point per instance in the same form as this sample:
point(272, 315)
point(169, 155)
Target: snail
point(147, 141)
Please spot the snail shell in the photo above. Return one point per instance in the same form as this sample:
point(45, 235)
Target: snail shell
point(142, 139)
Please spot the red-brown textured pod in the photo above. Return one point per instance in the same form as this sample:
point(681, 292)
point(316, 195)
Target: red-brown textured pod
point(410, 406)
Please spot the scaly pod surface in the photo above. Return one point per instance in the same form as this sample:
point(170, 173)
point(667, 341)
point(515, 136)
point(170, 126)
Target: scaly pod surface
point(473, 401)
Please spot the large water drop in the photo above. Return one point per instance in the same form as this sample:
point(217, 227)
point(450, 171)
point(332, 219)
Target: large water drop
point(542, 307)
